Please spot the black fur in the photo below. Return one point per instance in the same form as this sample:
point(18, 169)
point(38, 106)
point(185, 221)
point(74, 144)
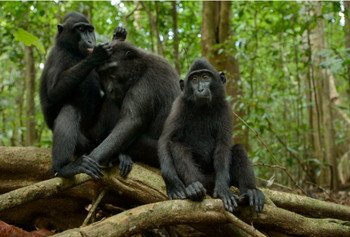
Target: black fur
point(70, 94)
point(195, 148)
point(142, 86)
point(182, 84)
point(119, 33)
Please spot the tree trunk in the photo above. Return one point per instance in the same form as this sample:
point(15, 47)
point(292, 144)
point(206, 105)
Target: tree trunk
point(347, 35)
point(153, 20)
point(87, 9)
point(175, 39)
point(31, 136)
point(137, 15)
point(216, 32)
point(160, 49)
point(321, 109)
point(157, 214)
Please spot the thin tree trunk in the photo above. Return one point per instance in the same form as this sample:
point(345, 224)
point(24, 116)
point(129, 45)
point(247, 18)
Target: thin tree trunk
point(300, 107)
point(160, 50)
point(176, 38)
point(30, 137)
point(2, 118)
point(314, 147)
point(216, 30)
point(252, 69)
point(153, 20)
point(87, 9)
point(137, 15)
point(18, 136)
point(347, 35)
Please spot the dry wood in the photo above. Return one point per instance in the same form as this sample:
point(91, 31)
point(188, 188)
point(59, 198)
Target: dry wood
point(211, 211)
point(279, 219)
point(156, 215)
point(39, 190)
point(308, 206)
point(93, 208)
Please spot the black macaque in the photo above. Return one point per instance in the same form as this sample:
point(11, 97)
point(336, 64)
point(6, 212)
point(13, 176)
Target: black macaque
point(142, 87)
point(70, 94)
point(195, 150)
point(110, 113)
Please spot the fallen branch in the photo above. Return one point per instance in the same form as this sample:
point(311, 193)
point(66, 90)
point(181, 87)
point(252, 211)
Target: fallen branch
point(160, 214)
point(23, 166)
point(308, 206)
point(143, 184)
point(39, 190)
point(211, 211)
point(93, 208)
point(147, 186)
point(242, 225)
point(292, 223)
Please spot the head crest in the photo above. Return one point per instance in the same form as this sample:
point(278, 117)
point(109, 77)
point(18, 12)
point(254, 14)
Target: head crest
point(75, 17)
point(202, 65)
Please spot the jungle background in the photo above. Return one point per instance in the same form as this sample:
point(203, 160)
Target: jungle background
point(287, 64)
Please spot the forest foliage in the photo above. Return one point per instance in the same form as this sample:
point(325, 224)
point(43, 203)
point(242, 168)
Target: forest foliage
point(293, 62)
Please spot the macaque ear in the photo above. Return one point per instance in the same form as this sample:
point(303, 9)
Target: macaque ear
point(59, 28)
point(222, 77)
point(182, 84)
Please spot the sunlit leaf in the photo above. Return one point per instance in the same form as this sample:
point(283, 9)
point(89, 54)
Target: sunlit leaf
point(28, 39)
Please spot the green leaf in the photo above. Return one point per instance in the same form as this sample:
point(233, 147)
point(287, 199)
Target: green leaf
point(28, 39)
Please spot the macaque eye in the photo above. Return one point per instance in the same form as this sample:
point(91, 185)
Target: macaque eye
point(206, 77)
